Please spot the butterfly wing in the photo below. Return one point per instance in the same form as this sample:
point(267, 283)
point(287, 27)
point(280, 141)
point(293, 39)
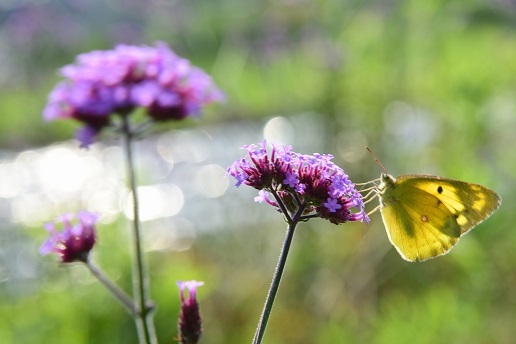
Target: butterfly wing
point(426, 215)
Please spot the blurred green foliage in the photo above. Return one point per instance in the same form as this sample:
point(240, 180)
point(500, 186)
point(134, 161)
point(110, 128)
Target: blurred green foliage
point(428, 85)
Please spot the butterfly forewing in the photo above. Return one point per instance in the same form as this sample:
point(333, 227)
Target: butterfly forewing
point(469, 203)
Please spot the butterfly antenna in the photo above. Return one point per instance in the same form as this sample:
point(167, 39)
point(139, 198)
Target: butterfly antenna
point(377, 160)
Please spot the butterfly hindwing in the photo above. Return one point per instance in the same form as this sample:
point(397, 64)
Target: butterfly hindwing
point(426, 215)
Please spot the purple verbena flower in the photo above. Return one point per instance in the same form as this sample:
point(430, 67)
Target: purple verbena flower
point(311, 181)
point(75, 241)
point(190, 324)
point(103, 83)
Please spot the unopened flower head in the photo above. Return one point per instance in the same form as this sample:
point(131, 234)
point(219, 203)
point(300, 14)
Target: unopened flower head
point(190, 324)
point(313, 181)
point(102, 83)
point(75, 241)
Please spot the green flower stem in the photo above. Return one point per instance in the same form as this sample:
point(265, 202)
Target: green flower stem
point(276, 279)
point(284, 210)
point(144, 319)
point(120, 295)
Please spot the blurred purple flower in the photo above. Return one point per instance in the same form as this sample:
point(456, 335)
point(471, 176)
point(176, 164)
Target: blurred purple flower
point(190, 324)
point(104, 83)
point(75, 241)
point(312, 180)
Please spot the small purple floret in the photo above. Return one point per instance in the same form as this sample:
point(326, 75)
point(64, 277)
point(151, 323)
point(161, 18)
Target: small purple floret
point(332, 205)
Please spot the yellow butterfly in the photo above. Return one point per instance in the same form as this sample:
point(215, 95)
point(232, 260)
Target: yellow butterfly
point(426, 215)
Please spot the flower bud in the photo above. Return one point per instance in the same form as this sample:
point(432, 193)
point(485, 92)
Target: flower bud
point(190, 324)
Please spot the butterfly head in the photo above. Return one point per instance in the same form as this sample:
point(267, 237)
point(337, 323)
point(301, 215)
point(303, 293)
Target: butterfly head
point(387, 181)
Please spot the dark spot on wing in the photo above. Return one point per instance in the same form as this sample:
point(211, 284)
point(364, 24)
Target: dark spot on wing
point(440, 189)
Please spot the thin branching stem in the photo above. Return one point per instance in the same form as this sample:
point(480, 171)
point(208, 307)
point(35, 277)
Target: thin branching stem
point(143, 318)
point(282, 206)
point(276, 279)
point(119, 294)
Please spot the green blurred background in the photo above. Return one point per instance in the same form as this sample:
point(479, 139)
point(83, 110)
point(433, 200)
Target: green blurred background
point(429, 86)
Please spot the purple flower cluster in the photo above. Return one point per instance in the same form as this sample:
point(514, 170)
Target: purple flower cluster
point(74, 242)
point(103, 83)
point(312, 180)
point(190, 324)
